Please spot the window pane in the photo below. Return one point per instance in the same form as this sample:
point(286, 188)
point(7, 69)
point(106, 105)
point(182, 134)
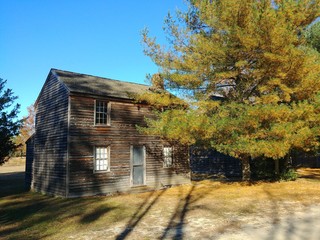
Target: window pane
point(167, 156)
point(101, 159)
point(138, 155)
point(101, 112)
point(138, 175)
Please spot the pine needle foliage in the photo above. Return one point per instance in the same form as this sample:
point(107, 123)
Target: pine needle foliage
point(9, 125)
point(253, 55)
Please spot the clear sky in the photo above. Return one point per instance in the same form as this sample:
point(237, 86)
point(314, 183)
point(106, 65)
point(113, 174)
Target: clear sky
point(97, 37)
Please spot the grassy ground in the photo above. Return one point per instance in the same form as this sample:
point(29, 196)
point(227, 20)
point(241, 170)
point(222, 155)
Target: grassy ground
point(203, 206)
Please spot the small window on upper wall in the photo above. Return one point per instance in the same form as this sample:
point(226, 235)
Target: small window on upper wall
point(167, 157)
point(102, 113)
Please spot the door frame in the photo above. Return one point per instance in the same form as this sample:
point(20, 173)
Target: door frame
point(144, 166)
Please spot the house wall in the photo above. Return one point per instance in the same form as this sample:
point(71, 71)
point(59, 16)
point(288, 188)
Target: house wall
point(207, 162)
point(120, 136)
point(29, 162)
point(50, 139)
point(306, 160)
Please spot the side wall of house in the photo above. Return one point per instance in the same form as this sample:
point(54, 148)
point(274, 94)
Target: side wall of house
point(50, 139)
point(207, 162)
point(29, 162)
point(306, 160)
point(119, 137)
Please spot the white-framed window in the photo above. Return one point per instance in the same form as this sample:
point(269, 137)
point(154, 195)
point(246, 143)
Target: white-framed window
point(167, 157)
point(101, 159)
point(102, 112)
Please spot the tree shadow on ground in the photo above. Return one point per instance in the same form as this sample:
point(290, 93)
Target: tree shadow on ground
point(142, 210)
point(309, 173)
point(177, 220)
point(188, 199)
point(286, 223)
point(22, 211)
point(33, 211)
point(95, 214)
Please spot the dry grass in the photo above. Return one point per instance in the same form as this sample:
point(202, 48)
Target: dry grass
point(310, 173)
point(212, 205)
point(15, 161)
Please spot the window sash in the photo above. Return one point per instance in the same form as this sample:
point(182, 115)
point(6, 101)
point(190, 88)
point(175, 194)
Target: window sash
point(101, 160)
point(102, 113)
point(167, 157)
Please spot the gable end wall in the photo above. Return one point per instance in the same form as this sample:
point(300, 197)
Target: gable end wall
point(50, 139)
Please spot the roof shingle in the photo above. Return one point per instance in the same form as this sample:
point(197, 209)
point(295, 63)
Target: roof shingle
point(87, 84)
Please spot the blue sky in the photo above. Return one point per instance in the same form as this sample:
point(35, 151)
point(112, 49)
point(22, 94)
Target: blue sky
point(98, 37)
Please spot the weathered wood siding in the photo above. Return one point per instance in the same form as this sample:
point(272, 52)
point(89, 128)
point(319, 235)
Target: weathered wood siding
point(306, 160)
point(29, 162)
point(120, 136)
point(50, 139)
point(214, 164)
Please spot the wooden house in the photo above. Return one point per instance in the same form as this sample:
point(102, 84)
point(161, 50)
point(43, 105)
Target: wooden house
point(86, 141)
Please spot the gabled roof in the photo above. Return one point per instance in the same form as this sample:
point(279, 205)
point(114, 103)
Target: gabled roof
point(92, 85)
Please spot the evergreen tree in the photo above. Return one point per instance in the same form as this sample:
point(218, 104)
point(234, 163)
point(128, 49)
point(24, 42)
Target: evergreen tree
point(313, 36)
point(9, 126)
point(252, 55)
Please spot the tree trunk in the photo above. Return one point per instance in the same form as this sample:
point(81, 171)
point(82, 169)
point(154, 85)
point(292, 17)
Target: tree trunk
point(276, 166)
point(287, 161)
point(246, 172)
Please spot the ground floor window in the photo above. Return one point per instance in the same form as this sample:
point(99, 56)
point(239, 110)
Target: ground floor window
point(101, 159)
point(167, 157)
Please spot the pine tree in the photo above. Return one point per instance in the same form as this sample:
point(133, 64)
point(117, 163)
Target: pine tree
point(251, 54)
point(313, 36)
point(9, 126)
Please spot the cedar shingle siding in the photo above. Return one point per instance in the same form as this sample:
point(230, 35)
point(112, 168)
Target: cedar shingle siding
point(207, 162)
point(50, 139)
point(61, 153)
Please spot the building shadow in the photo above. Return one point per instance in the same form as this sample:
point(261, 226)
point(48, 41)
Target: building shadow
point(12, 183)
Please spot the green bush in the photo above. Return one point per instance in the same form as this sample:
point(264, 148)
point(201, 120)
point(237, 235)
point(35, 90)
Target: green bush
point(289, 175)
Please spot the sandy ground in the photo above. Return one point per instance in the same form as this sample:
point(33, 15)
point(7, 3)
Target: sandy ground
point(303, 224)
point(290, 221)
point(11, 169)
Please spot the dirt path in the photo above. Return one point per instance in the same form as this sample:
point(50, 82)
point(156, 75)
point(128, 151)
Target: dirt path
point(304, 223)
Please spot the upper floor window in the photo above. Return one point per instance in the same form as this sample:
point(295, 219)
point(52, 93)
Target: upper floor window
point(167, 157)
point(102, 113)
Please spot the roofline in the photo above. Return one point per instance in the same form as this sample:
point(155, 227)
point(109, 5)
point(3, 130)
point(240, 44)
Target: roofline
point(89, 75)
point(30, 137)
point(53, 72)
point(37, 100)
point(47, 79)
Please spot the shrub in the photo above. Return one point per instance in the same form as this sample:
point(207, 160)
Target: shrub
point(289, 175)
